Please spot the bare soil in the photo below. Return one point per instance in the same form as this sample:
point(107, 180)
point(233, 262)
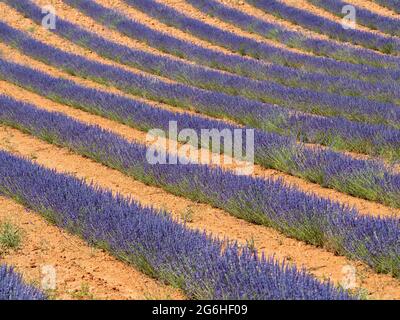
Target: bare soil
point(375, 7)
point(304, 4)
point(321, 263)
point(249, 9)
point(102, 278)
point(364, 206)
point(82, 272)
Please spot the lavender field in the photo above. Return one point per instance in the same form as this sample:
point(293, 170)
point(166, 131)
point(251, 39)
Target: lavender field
point(199, 150)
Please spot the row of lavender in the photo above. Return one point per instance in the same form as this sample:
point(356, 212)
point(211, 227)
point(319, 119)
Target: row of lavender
point(391, 4)
point(362, 178)
point(336, 132)
point(386, 81)
point(294, 38)
point(333, 29)
point(196, 75)
point(365, 17)
point(202, 266)
point(248, 46)
point(354, 108)
point(12, 286)
point(270, 202)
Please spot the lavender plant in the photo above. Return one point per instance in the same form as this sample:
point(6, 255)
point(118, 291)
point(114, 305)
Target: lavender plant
point(12, 286)
point(214, 80)
point(383, 43)
point(271, 150)
point(365, 17)
point(202, 266)
point(180, 95)
point(391, 4)
point(383, 81)
point(293, 38)
point(270, 202)
point(257, 49)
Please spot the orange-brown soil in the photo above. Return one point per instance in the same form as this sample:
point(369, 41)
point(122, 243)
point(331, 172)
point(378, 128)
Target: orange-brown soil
point(82, 272)
point(204, 217)
point(304, 4)
point(374, 7)
point(103, 280)
point(364, 206)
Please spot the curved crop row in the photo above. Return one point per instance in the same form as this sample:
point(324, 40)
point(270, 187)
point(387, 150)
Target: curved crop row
point(335, 30)
point(268, 92)
point(318, 165)
point(293, 38)
point(204, 267)
point(248, 46)
point(236, 64)
point(248, 112)
point(364, 17)
point(391, 4)
point(335, 132)
point(269, 202)
point(343, 86)
point(12, 286)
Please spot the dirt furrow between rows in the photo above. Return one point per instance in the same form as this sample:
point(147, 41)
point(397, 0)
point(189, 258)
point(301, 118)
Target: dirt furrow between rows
point(203, 217)
point(374, 7)
point(16, 20)
point(131, 134)
point(187, 9)
point(305, 5)
point(80, 271)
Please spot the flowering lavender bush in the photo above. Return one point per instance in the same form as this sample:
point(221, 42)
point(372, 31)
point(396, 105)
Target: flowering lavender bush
point(216, 104)
point(335, 30)
point(293, 38)
point(234, 63)
point(214, 80)
point(204, 267)
point(364, 16)
point(270, 202)
point(271, 150)
point(391, 4)
point(12, 287)
point(251, 47)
